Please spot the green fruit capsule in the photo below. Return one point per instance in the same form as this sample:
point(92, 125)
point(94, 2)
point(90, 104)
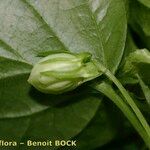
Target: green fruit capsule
point(62, 72)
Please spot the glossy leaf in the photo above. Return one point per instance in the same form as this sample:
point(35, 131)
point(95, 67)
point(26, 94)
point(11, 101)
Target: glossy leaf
point(101, 130)
point(87, 26)
point(29, 28)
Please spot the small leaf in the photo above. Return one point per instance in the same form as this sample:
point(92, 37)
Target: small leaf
point(136, 62)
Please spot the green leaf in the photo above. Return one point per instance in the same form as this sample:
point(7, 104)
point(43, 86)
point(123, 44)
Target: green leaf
point(145, 2)
point(29, 28)
point(140, 22)
point(61, 122)
point(101, 130)
point(129, 47)
point(137, 62)
point(95, 26)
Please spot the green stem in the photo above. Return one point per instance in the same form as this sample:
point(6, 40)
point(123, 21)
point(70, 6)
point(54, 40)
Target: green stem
point(129, 100)
point(108, 91)
point(126, 96)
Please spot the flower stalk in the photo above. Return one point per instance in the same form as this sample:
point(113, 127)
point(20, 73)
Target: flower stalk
point(63, 72)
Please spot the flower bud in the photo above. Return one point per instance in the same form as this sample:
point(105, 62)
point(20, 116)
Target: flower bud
point(62, 72)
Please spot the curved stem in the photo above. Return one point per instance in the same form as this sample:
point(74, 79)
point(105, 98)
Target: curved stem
point(129, 100)
point(108, 91)
point(126, 95)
